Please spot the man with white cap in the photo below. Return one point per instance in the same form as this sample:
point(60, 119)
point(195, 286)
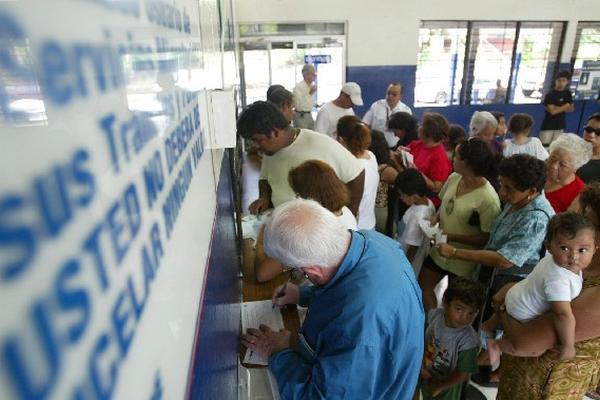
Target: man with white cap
point(329, 114)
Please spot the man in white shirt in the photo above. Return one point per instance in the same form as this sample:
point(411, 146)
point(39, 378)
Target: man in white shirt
point(380, 112)
point(331, 112)
point(303, 98)
point(285, 147)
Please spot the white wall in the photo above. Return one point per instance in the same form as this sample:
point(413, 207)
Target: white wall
point(385, 32)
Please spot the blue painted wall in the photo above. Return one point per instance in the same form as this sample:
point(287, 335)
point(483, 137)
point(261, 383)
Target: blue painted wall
point(374, 80)
point(215, 367)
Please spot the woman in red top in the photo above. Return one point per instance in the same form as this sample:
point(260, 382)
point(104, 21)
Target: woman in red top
point(567, 154)
point(430, 157)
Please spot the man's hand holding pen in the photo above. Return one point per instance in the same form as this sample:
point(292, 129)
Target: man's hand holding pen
point(288, 293)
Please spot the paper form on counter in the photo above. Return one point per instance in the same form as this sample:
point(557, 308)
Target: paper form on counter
point(255, 313)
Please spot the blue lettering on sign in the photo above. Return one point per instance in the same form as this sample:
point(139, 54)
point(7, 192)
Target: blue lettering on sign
point(158, 389)
point(154, 178)
point(63, 74)
point(34, 376)
point(128, 137)
point(317, 59)
point(176, 142)
point(164, 14)
point(54, 199)
point(176, 196)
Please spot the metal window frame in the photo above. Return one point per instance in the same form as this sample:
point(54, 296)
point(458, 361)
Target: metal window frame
point(468, 62)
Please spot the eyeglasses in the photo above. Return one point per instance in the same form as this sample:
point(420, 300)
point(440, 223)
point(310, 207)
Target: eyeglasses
point(589, 129)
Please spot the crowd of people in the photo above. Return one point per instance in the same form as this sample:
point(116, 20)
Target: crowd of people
point(377, 213)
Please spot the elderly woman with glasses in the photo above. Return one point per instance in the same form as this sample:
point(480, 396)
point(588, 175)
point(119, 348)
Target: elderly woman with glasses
point(567, 153)
point(468, 210)
point(591, 133)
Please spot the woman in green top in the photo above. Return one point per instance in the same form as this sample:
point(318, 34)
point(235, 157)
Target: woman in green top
point(469, 207)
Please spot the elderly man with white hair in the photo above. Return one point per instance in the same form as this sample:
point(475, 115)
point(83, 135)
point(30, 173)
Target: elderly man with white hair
point(303, 98)
point(567, 153)
point(363, 333)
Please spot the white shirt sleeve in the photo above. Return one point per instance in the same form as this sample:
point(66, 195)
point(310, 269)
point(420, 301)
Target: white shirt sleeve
point(561, 284)
point(368, 118)
point(321, 122)
point(414, 236)
point(541, 152)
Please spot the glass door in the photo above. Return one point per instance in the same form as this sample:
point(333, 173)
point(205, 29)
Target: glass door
point(255, 70)
point(327, 56)
point(268, 61)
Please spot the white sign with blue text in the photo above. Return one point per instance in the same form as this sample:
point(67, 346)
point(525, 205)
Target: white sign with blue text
point(107, 197)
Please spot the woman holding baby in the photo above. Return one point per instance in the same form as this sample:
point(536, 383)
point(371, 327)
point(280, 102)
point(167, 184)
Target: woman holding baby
point(535, 371)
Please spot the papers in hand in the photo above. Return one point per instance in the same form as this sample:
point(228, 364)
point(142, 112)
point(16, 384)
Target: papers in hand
point(255, 313)
point(407, 158)
point(433, 232)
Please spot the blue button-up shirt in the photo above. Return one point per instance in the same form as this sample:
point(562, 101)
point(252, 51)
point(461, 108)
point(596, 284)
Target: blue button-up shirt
point(518, 236)
point(363, 334)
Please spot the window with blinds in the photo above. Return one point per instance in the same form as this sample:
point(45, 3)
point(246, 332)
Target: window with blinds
point(485, 62)
point(440, 63)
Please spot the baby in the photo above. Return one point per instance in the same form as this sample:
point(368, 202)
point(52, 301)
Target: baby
point(554, 282)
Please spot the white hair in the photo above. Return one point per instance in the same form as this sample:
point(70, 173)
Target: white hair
point(302, 233)
point(578, 149)
point(480, 121)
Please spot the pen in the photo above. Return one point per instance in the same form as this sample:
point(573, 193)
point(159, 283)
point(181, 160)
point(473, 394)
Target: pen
point(281, 293)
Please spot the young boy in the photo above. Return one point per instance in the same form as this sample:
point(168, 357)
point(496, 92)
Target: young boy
point(553, 283)
point(557, 103)
point(412, 188)
point(451, 344)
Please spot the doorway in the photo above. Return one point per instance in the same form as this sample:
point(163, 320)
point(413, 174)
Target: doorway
point(267, 60)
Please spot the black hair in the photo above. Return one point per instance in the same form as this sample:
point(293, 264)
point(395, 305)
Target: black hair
point(456, 135)
point(524, 171)
point(590, 198)
point(379, 147)
point(568, 224)
point(478, 155)
point(563, 74)
point(520, 122)
point(469, 292)
point(397, 84)
point(409, 182)
point(595, 116)
point(271, 89)
point(260, 117)
point(281, 97)
point(497, 115)
point(406, 122)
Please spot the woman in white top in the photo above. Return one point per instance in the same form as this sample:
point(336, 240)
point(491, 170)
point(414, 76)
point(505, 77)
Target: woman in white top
point(520, 125)
point(316, 180)
point(355, 135)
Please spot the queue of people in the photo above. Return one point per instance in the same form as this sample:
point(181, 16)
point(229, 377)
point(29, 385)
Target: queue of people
point(514, 228)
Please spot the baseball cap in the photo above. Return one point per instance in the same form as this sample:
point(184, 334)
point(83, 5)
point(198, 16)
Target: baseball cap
point(353, 90)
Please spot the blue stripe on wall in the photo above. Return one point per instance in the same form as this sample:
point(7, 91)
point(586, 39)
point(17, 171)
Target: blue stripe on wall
point(215, 366)
point(374, 80)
